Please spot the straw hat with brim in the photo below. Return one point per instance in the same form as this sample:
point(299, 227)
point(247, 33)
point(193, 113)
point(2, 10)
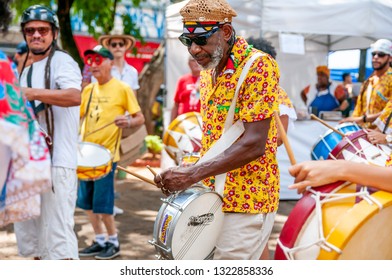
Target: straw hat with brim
point(207, 10)
point(104, 40)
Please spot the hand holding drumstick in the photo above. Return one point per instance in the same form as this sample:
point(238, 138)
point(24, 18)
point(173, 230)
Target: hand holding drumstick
point(137, 175)
point(164, 190)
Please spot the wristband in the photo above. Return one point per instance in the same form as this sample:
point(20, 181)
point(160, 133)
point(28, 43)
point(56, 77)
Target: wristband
point(364, 118)
point(129, 122)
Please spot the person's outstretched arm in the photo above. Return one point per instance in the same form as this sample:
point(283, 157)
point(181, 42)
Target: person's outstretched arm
point(318, 173)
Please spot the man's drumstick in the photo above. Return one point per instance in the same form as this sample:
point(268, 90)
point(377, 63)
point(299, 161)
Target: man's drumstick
point(137, 175)
point(151, 170)
point(285, 140)
point(104, 126)
point(98, 129)
point(327, 125)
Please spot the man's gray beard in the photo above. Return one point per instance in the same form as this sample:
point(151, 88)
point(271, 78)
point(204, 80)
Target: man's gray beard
point(216, 57)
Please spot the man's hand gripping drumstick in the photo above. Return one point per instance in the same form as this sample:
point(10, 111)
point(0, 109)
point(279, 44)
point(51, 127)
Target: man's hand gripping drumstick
point(137, 175)
point(162, 187)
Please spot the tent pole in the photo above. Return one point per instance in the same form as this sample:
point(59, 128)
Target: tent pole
point(362, 65)
point(329, 43)
point(261, 19)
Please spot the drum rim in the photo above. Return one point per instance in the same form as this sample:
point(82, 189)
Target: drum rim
point(201, 190)
point(298, 217)
point(159, 217)
point(343, 143)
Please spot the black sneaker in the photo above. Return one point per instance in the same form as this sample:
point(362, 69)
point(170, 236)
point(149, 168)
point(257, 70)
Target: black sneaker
point(92, 250)
point(109, 252)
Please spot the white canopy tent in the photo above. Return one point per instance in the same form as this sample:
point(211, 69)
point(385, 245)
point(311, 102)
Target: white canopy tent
point(325, 24)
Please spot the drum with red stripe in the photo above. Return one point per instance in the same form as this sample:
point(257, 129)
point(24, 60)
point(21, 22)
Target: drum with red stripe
point(356, 147)
point(338, 221)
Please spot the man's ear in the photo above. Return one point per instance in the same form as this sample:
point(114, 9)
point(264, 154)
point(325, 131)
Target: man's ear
point(227, 30)
point(56, 34)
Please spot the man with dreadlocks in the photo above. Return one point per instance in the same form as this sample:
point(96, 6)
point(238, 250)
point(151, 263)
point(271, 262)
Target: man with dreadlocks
point(52, 84)
point(246, 173)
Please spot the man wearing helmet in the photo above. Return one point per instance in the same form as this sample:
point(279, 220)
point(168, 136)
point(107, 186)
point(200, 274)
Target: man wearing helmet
point(52, 85)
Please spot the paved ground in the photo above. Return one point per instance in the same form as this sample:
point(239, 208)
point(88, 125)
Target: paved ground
point(141, 202)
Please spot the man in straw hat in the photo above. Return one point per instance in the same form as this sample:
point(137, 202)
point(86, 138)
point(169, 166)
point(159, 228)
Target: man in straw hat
point(118, 44)
point(250, 171)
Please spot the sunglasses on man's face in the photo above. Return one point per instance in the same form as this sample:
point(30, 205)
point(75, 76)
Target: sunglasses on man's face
point(115, 44)
point(200, 40)
point(379, 54)
point(30, 31)
point(93, 58)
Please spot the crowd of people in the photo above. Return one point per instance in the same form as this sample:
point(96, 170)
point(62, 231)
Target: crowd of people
point(51, 91)
point(233, 83)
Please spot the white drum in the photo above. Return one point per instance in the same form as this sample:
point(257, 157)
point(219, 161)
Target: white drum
point(94, 161)
point(188, 224)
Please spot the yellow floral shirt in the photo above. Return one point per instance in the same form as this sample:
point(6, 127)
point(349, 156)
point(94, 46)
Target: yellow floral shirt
point(254, 187)
point(381, 93)
point(382, 119)
point(283, 98)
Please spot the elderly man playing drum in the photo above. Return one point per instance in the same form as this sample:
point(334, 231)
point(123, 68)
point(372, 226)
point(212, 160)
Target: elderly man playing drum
point(248, 171)
point(104, 104)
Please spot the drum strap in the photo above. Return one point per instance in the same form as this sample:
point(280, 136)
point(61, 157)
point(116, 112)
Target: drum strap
point(87, 109)
point(231, 131)
point(116, 146)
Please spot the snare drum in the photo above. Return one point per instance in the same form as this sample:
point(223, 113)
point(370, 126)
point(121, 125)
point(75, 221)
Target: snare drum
point(94, 161)
point(338, 221)
point(356, 147)
point(330, 139)
point(188, 224)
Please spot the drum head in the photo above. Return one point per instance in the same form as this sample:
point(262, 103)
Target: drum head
point(184, 134)
point(92, 155)
point(198, 228)
point(188, 224)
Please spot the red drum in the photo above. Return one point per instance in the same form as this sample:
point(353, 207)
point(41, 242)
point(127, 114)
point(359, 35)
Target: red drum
point(338, 221)
point(356, 147)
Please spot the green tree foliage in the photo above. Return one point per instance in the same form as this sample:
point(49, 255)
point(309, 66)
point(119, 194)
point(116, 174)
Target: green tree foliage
point(97, 15)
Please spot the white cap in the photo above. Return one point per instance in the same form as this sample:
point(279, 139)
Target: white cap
point(382, 45)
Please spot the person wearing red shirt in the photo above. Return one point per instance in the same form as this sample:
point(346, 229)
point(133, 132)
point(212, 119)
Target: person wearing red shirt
point(187, 96)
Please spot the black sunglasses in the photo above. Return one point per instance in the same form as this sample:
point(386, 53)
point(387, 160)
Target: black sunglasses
point(379, 54)
point(200, 40)
point(114, 44)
